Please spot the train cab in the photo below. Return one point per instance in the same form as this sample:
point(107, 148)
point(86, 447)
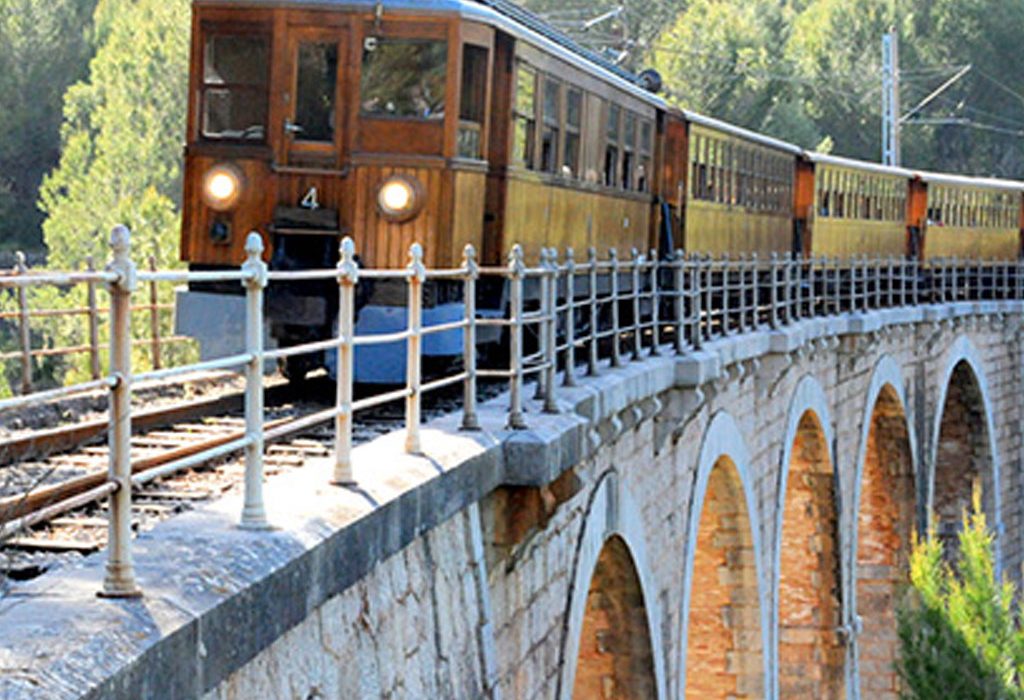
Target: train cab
point(446, 123)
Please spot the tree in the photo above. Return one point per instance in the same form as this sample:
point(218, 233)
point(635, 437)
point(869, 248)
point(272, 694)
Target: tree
point(43, 49)
point(122, 138)
point(120, 163)
point(725, 58)
point(960, 634)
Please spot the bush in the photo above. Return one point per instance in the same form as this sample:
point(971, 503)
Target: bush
point(959, 629)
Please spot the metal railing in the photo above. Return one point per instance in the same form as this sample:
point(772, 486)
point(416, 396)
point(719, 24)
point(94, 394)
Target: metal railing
point(21, 319)
point(558, 315)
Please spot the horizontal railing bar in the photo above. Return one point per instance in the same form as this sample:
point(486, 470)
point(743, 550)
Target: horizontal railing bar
point(444, 327)
point(381, 338)
point(51, 511)
point(446, 274)
point(57, 279)
point(184, 276)
point(144, 477)
point(380, 399)
point(304, 349)
point(442, 383)
point(300, 424)
point(210, 365)
point(59, 393)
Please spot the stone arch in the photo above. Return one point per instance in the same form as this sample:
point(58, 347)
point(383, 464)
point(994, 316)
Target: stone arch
point(806, 588)
point(724, 638)
point(963, 450)
point(883, 521)
point(610, 553)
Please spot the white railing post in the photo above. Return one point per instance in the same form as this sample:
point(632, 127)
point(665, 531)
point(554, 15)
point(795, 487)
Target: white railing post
point(594, 322)
point(414, 364)
point(655, 301)
point(24, 329)
point(542, 325)
point(120, 577)
point(470, 421)
point(570, 318)
point(726, 263)
point(254, 514)
point(613, 256)
point(744, 268)
point(348, 277)
point(550, 330)
point(516, 272)
point(638, 338)
point(773, 275)
point(679, 274)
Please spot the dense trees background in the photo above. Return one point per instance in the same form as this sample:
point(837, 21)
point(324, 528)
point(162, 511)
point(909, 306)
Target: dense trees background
point(94, 93)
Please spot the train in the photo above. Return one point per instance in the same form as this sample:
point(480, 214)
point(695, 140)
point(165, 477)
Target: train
point(454, 122)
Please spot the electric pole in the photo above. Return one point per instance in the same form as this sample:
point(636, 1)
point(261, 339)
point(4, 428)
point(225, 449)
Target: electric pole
point(890, 99)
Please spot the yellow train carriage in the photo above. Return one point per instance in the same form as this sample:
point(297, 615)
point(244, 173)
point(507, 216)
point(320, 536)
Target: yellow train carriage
point(859, 209)
point(740, 191)
point(580, 162)
point(972, 217)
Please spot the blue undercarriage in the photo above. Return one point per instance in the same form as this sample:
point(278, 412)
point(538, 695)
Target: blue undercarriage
point(385, 363)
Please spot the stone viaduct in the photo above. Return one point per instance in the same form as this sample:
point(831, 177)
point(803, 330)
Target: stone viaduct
point(730, 523)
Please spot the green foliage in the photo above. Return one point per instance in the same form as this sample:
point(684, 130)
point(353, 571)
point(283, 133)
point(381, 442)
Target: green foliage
point(121, 162)
point(122, 136)
point(960, 633)
point(43, 49)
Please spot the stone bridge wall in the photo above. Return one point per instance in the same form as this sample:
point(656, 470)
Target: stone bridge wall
point(731, 523)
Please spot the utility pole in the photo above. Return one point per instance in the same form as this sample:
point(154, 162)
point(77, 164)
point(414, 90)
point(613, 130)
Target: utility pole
point(890, 99)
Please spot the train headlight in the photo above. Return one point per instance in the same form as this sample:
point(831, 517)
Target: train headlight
point(400, 198)
point(222, 187)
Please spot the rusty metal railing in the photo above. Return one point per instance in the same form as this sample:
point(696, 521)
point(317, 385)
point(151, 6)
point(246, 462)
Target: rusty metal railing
point(560, 315)
point(27, 352)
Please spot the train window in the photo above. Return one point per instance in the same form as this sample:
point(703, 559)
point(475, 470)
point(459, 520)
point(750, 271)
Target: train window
point(712, 160)
point(551, 131)
point(611, 151)
point(646, 145)
point(234, 93)
point(525, 116)
point(404, 78)
point(315, 83)
point(472, 101)
point(573, 125)
point(629, 151)
point(698, 176)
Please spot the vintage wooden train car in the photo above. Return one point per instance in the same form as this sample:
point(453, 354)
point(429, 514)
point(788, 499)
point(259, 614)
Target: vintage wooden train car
point(449, 122)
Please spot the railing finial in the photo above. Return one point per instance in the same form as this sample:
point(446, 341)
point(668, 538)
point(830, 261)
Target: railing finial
point(348, 266)
point(120, 240)
point(516, 265)
point(253, 245)
point(469, 260)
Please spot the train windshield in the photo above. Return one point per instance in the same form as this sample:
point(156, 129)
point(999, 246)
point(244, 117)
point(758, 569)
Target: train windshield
point(234, 92)
point(404, 78)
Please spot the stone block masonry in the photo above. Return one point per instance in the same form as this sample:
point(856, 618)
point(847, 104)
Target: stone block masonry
point(723, 524)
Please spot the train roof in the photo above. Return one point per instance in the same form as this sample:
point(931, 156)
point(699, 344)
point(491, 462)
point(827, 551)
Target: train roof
point(853, 164)
point(502, 14)
point(738, 131)
point(989, 183)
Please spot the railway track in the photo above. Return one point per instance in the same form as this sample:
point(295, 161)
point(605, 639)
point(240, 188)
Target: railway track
point(53, 506)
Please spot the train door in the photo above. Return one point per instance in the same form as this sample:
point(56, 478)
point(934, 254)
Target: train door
point(313, 102)
point(310, 190)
